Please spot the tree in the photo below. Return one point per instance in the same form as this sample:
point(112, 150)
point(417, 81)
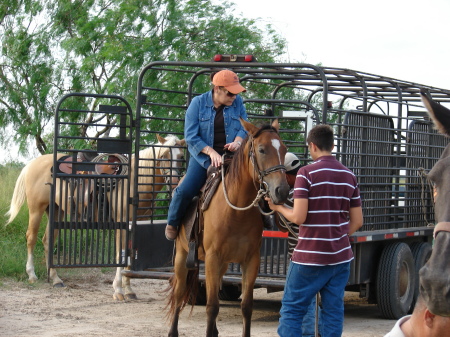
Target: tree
point(99, 46)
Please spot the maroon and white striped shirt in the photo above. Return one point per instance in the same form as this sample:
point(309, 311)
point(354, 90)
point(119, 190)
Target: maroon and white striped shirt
point(331, 190)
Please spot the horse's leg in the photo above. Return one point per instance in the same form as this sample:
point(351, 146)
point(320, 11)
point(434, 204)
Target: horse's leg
point(129, 293)
point(249, 274)
point(57, 282)
point(179, 288)
point(31, 235)
point(214, 270)
point(117, 283)
point(120, 283)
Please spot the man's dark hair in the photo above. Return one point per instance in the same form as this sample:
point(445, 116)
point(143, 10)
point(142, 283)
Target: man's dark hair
point(322, 136)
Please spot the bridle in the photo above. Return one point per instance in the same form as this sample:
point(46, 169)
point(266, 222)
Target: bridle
point(262, 190)
point(262, 173)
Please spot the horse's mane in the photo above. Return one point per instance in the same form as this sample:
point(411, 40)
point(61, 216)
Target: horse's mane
point(239, 159)
point(146, 156)
point(155, 150)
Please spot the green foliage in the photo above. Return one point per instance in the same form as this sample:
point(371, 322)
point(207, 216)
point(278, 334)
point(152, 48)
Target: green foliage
point(13, 246)
point(54, 47)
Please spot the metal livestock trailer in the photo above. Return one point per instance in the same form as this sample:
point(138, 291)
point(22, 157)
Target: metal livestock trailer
point(382, 134)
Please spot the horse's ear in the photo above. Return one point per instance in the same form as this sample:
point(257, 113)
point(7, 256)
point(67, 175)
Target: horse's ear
point(182, 142)
point(438, 113)
point(162, 140)
point(276, 125)
point(249, 127)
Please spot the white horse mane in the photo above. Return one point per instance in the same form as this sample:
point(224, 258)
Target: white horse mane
point(148, 152)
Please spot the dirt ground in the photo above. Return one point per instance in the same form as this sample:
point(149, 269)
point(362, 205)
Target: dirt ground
point(86, 307)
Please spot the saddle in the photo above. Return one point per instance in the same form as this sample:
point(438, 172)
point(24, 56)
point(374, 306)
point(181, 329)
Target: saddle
point(105, 164)
point(193, 219)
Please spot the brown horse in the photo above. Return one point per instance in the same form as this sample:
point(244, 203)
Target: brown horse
point(33, 184)
point(434, 274)
point(232, 227)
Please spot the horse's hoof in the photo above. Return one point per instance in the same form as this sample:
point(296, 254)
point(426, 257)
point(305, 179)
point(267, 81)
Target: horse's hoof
point(118, 297)
point(59, 285)
point(32, 280)
point(131, 297)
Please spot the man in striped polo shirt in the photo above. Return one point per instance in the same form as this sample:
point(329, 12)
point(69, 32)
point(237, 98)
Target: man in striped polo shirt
point(327, 206)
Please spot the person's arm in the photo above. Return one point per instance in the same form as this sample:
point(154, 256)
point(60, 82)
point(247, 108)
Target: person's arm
point(242, 113)
point(191, 127)
point(297, 214)
point(238, 112)
point(356, 219)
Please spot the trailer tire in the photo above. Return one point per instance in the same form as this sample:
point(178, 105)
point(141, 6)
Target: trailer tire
point(395, 280)
point(421, 252)
point(229, 292)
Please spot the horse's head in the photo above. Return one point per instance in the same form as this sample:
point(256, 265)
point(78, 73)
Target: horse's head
point(434, 281)
point(267, 151)
point(170, 158)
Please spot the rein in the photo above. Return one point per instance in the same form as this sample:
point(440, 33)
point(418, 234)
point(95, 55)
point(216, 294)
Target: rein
point(262, 191)
point(259, 195)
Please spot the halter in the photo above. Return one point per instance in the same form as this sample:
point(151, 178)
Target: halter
point(262, 191)
point(262, 173)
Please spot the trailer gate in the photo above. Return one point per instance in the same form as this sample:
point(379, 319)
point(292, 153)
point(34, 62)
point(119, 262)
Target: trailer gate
point(89, 213)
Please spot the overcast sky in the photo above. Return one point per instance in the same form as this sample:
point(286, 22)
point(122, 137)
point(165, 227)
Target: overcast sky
point(407, 40)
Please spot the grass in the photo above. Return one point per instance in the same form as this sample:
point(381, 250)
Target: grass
point(13, 246)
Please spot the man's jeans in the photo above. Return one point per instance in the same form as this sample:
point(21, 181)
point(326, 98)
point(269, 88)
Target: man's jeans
point(302, 284)
point(193, 181)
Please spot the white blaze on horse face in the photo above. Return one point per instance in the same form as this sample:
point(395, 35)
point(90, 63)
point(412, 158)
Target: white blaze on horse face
point(177, 154)
point(277, 145)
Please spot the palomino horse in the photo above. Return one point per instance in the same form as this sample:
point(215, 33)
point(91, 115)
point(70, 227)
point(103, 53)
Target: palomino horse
point(232, 227)
point(33, 184)
point(434, 274)
point(152, 175)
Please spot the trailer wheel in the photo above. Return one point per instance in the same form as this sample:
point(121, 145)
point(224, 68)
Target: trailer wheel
point(421, 252)
point(395, 280)
point(229, 292)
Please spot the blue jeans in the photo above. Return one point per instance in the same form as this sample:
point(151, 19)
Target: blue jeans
point(309, 320)
point(192, 182)
point(302, 284)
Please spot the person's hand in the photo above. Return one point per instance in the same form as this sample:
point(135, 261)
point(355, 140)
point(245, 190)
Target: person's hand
point(272, 206)
point(216, 159)
point(233, 146)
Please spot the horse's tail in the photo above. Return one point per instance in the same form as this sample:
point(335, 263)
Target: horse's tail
point(189, 295)
point(18, 197)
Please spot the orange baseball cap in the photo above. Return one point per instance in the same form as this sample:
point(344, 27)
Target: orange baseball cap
point(229, 80)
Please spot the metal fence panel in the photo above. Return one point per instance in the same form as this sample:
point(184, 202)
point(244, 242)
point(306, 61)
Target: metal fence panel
point(90, 195)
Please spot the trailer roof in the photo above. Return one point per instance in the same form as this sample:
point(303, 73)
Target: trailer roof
point(349, 85)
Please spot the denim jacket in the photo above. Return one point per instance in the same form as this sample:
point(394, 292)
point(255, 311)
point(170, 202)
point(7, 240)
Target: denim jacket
point(199, 125)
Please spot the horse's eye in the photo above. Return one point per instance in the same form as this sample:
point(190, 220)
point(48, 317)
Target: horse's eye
point(261, 150)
